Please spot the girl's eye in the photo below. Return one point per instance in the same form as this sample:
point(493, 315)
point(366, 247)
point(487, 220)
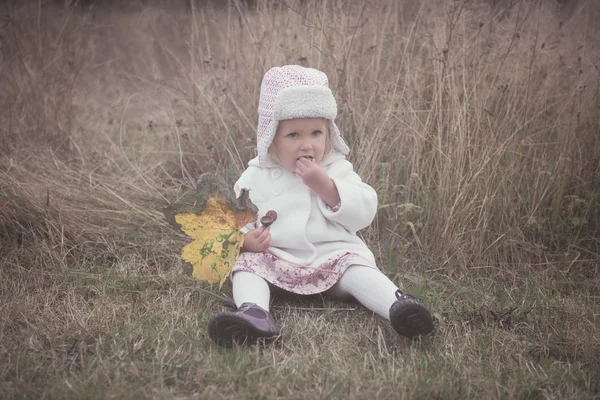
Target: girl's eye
point(316, 133)
point(292, 135)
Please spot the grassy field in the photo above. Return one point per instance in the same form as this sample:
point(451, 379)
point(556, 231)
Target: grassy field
point(477, 122)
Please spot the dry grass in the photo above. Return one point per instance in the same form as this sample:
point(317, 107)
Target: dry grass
point(476, 121)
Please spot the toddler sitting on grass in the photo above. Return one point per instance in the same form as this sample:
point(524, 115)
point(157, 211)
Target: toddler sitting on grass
point(302, 174)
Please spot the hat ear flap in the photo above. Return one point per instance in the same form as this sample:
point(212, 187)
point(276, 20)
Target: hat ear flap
point(328, 140)
point(337, 142)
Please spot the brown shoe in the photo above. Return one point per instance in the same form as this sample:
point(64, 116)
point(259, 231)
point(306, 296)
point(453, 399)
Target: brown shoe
point(246, 325)
point(409, 316)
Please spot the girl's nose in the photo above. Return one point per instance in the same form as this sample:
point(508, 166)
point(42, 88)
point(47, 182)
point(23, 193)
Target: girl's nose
point(305, 145)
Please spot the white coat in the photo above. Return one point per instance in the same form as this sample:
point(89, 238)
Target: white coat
point(306, 230)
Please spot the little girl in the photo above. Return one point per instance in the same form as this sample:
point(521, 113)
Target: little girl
point(302, 174)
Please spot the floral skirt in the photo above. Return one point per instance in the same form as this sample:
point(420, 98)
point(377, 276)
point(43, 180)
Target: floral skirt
point(295, 278)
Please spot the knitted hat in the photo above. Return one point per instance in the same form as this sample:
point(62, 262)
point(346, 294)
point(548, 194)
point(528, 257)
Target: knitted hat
point(291, 92)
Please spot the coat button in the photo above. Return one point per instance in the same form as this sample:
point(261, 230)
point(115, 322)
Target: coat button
point(276, 191)
point(276, 173)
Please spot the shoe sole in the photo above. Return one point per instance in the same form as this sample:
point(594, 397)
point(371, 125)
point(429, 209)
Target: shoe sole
point(410, 318)
point(227, 329)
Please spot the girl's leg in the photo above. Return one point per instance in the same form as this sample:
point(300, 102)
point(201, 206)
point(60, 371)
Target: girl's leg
point(374, 290)
point(370, 287)
point(250, 288)
point(248, 320)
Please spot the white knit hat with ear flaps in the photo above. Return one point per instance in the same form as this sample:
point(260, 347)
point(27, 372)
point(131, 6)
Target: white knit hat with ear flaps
point(291, 92)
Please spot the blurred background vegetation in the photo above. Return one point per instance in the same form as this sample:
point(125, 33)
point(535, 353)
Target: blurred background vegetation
point(477, 122)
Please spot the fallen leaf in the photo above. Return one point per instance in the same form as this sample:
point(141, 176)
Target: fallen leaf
point(212, 217)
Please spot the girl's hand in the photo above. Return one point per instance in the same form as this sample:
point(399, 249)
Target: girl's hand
point(313, 175)
point(257, 240)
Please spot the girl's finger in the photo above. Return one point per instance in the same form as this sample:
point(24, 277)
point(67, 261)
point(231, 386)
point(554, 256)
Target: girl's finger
point(312, 164)
point(301, 163)
point(266, 239)
point(307, 165)
point(267, 244)
point(264, 233)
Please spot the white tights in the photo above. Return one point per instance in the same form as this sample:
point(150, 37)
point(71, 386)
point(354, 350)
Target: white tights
point(369, 286)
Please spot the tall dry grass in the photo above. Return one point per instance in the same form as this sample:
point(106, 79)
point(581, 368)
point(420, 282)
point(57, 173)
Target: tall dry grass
point(476, 121)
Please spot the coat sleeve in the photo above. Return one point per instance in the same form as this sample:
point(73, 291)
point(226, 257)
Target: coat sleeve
point(358, 201)
point(245, 182)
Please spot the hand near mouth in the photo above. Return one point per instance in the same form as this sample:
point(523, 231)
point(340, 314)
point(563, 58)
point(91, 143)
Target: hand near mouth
point(312, 174)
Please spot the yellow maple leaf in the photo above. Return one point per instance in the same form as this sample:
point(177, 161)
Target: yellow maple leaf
point(212, 218)
point(217, 240)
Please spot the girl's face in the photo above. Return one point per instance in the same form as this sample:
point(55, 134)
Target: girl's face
point(300, 137)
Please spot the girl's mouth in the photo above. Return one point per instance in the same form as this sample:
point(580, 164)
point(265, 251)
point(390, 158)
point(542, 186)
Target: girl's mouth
point(311, 158)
